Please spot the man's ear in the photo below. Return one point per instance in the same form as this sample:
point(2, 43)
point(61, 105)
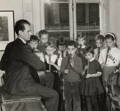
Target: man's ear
point(20, 32)
point(114, 41)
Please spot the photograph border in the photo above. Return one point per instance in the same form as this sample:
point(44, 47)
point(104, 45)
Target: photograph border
point(11, 34)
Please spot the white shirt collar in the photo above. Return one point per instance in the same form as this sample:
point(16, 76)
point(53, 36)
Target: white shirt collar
point(53, 58)
point(91, 59)
point(113, 48)
point(22, 40)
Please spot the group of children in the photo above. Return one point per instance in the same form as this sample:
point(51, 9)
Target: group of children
point(84, 70)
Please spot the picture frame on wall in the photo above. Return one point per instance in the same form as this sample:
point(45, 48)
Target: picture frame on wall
point(6, 28)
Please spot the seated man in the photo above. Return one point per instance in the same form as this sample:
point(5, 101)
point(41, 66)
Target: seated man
point(21, 65)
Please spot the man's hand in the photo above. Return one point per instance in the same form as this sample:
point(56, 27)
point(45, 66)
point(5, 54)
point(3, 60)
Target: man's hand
point(66, 71)
point(41, 73)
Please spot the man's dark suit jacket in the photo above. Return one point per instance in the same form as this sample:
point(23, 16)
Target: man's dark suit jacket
point(20, 65)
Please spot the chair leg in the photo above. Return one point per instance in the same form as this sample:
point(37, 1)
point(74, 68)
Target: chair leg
point(3, 107)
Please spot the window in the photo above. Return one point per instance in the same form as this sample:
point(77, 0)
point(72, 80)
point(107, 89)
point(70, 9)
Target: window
point(69, 18)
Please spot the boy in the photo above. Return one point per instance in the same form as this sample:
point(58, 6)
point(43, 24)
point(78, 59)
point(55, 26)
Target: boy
point(71, 67)
point(43, 35)
point(33, 42)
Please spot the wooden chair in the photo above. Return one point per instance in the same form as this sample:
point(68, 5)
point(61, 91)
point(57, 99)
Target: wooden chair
point(13, 101)
point(114, 90)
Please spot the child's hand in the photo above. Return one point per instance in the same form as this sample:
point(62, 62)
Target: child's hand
point(86, 67)
point(52, 63)
point(41, 56)
point(88, 76)
point(72, 63)
point(66, 71)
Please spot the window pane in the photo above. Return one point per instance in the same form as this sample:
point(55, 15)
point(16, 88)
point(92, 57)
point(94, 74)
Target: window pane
point(94, 14)
point(90, 36)
point(87, 16)
point(57, 20)
point(59, 1)
point(60, 35)
point(57, 16)
point(81, 14)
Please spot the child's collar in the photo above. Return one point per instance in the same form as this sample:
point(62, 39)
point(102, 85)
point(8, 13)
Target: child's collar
point(92, 59)
point(83, 46)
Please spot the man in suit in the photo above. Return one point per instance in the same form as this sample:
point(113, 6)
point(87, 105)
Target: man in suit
point(21, 65)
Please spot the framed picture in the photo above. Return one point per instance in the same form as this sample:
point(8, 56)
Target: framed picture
point(6, 28)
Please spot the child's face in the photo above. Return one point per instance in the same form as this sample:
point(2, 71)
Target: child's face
point(50, 50)
point(89, 56)
point(44, 38)
point(99, 43)
point(61, 47)
point(33, 44)
point(110, 42)
point(81, 41)
point(71, 50)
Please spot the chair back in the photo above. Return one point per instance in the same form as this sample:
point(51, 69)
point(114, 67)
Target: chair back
point(114, 83)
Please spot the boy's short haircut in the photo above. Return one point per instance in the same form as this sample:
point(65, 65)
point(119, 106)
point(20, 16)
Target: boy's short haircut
point(71, 43)
point(34, 38)
point(89, 50)
point(41, 32)
point(60, 43)
point(100, 37)
point(51, 44)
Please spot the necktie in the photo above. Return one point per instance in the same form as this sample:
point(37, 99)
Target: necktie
point(62, 54)
point(71, 60)
point(108, 50)
point(49, 63)
point(98, 53)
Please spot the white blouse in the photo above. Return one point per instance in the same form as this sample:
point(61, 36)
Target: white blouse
point(53, 58)
point(113, 58)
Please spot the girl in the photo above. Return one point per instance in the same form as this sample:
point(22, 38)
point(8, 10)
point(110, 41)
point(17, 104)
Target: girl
point(110, 56)
point(81, 49)
point(99, 46)
point(82, 44)
point(109, 59)
point(93, 93)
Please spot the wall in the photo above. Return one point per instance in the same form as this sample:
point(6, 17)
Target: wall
point(115, 18)
point(104, 16)
point(27, 9)
point(31, 10)
point(15, 5)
